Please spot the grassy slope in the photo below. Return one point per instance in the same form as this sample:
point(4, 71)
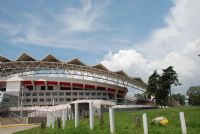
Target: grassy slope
point(124, 123)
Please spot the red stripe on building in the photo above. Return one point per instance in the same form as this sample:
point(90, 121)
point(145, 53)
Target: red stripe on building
point(90, 86)
point(65, 84)
point(39, 82)
point(121, 92)
point(111, 90)
point(27, 82)
point(52, 83)
point(77, 85)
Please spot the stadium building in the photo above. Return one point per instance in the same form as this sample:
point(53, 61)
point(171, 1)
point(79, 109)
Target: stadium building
point(30, 82)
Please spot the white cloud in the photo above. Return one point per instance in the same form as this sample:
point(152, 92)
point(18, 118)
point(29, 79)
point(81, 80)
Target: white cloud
point(176, 44)
point(85, 18)
point(8, 29)
point(71, 27)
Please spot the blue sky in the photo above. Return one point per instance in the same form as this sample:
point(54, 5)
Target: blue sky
point(138, 36)
point(129, 21)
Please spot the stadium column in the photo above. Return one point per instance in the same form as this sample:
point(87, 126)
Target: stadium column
point(64, 112)
point(116, 94)
point(76, 115)
point(91, 115)
point(112, 120)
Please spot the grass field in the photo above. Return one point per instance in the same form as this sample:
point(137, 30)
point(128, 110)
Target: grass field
point(124, 122)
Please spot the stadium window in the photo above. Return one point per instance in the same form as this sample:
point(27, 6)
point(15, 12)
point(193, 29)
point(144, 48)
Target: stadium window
point(30, 88)
point(43, 88)
point(34, 94)
point(61, 99)
point(68, 99)
point(28, 94)
point(65, 88)
point(74, 99)
point(55, 94)
point(34, 100)
point(68, 93)
point(61, 93)
point(104, 94)
point(42, 100)
point(77, 89)
point(87, 93)
point(48, 99)
point(41, 94)
point(80, 93)
point(28, 100)
point(48, 94)
point(74, 93)
point(50, 87)
point(2, 89)
point(99, 94)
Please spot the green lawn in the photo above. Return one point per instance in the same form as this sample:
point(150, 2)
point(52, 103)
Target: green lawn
point(124, 122)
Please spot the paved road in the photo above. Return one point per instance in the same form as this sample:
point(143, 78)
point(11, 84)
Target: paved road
point(11, 130)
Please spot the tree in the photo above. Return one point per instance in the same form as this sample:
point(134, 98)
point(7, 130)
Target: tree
point(153, 88)
point(169, 77)
point(139, 96)
point(179, 97)
point(194, 95)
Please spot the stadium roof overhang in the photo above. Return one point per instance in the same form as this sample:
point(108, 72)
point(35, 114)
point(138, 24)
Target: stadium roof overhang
point(50, 64)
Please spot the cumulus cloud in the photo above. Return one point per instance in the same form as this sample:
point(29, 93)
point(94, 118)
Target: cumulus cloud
point(176, 44)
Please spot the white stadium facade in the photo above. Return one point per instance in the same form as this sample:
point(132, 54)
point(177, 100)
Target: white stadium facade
point(30, 82)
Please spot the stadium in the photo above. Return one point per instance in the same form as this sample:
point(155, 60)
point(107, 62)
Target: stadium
point(48, 82)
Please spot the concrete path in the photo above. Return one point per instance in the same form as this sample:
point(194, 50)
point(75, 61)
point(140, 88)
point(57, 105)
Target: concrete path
point(10, 130)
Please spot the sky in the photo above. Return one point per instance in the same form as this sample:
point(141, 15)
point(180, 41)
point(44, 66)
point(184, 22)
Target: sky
point(137, 36)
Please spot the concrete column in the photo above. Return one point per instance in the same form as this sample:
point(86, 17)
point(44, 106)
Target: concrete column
point(112, 121)
point(63, 118)
point(145, 127)
point(91, 115)
point(52, 119)
point(76, 115)
point(183, 125)
point(48, 120)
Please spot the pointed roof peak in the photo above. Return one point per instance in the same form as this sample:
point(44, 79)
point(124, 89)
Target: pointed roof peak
point(25, 57)
point(4, 59)
point(137, 79)
point(121, 72)
point(50, 58)
point(76, 61)
point(100, 66)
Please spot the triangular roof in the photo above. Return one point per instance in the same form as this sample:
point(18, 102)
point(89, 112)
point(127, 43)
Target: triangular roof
point(121, 72)
point(50, 58)
point(3, 59)
point(76, 61)
point(100, 66)
point(138, 79)
point(25, 57)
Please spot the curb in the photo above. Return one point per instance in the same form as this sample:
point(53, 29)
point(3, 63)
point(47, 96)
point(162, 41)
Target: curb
point(15, 125)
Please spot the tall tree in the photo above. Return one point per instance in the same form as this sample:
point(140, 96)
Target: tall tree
point(169, 77)
point(153, 88)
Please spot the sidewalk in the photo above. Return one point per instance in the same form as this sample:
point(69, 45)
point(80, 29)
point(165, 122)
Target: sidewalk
point(9, 129)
